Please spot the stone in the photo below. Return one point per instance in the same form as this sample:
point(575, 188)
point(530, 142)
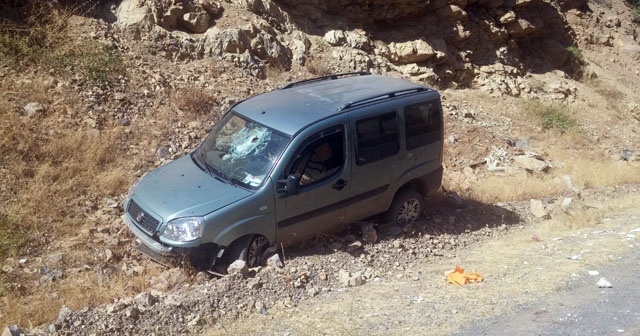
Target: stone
point(346, 279)
point(452, 11)
point(260, 307)
point(566, 202)
point(274, 261)
point(411, 52)
point(508, 17)
point(12, 330)
point(211, 7)
point(163, 152)
point(537, 209)
point(334, 37)
point(238, 267)
point(531, 163)
point(369, 233)
point(33, 108)
point(64, 314)
point(358, 39)
point(145, 300)
point(604, 283)
point(520, 28)
point(196, 22)
point(254, 284)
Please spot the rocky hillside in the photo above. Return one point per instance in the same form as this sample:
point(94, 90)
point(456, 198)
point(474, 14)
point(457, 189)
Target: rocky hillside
point(444, 43)
point(541, 104)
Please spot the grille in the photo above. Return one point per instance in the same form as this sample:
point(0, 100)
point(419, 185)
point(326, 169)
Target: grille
point(142, 218)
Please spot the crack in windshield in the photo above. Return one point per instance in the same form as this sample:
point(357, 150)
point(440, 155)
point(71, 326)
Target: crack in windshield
point(242, 151)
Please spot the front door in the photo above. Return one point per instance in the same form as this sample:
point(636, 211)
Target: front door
point(322, 168)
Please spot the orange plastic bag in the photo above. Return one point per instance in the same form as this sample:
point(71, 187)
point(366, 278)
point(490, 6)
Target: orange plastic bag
point(459, 277)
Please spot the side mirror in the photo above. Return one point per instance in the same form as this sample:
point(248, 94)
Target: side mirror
point(293, 184)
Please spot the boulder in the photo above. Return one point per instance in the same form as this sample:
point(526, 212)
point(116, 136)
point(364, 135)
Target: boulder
point(238, 267)
point(196, 22)
point(537, 209)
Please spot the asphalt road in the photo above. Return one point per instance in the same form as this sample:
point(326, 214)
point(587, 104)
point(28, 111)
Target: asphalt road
point(580, 309)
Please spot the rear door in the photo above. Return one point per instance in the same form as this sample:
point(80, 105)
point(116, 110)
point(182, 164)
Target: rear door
point(423, 135)
point(378, 161)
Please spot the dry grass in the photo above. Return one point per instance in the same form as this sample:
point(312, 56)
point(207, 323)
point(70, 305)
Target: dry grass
point(494, 189)
point(318, 67)
point(54, 178)
point(55, 172)
point(195, 101)
point(76, 292)
point(584, 173)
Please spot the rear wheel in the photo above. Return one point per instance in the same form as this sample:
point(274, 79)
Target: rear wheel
point(406, 207)
point(251, 249)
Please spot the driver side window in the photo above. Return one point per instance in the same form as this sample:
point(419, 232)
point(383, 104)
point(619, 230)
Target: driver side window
point(321, 157)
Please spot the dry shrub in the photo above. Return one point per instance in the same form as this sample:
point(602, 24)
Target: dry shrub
point(318, 67)
point(494, 189)
point(195, 101)
point(592, 174)
point(89, 288)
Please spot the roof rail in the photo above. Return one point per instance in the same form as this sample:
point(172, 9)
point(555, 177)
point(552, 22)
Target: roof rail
point(331, 77)
point(383, 97)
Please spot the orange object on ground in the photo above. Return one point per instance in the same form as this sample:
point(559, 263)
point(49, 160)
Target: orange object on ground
point(459, 277)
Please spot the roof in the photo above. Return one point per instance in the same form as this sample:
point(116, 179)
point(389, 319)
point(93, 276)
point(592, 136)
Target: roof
point(297, 105)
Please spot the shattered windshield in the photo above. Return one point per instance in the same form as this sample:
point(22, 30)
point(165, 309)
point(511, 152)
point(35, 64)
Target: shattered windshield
point(242, 151)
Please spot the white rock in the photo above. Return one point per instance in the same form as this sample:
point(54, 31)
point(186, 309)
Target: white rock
point(274, 261)
point(566, 203)
point(603, 283)
point(33, 108)
point(238, 266)
point(594, 273)
point(537, 209)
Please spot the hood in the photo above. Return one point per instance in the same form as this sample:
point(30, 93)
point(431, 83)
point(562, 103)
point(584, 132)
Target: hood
point(181, 189)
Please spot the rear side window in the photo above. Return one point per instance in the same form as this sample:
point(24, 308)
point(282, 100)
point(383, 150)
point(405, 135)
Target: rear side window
point(377, 138)
point(423, 123)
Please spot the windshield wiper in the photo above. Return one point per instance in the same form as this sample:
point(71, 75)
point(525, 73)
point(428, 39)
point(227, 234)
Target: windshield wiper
point(217, 173)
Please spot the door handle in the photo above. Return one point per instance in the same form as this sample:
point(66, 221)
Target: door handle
point(340, 184)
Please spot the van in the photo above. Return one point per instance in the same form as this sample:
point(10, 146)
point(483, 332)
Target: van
point(285, 165)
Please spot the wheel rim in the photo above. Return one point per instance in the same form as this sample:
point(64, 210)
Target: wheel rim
point(256, 250)
point(408, 211)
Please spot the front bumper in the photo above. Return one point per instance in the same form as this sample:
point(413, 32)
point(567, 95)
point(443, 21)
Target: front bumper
point(144, 239)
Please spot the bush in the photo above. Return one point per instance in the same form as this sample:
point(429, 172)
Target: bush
point(12, 236)
point(635, 9)
point(575, 52)
point(552, 116)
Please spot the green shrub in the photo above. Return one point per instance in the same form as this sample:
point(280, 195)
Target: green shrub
point(575, 52)
point(635, 9)
point(552, 116)
point(12, 236)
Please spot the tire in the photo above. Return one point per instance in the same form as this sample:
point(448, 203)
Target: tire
point(406, 207)
point(251, 249)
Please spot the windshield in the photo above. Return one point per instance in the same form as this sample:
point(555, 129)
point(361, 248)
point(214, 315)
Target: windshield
point(242, 151)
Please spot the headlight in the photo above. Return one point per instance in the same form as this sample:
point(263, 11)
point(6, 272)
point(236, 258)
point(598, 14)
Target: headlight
point(184, 229)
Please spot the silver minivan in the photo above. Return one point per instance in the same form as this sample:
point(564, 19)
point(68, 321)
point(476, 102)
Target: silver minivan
point(285, 165)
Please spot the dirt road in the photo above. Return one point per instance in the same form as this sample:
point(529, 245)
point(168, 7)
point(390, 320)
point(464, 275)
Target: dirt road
point(537, 282)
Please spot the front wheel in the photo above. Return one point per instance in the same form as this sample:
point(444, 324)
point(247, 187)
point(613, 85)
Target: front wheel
point(406, 207)
point(251, 249)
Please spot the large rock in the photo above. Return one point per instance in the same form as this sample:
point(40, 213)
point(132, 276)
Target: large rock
point(411, 51)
